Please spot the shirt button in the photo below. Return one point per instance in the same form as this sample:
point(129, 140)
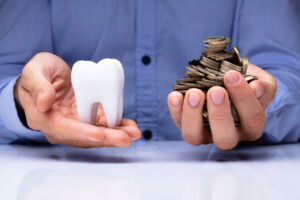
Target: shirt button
point(146, 60)
point(147, 134)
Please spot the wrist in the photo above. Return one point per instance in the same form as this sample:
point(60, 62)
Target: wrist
point(16, 94)
point(20, 110)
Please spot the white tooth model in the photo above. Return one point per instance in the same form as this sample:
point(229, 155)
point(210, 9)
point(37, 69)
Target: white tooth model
point(95, 83)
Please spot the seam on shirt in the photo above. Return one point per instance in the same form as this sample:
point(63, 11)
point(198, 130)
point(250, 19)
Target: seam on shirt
point(235, 27)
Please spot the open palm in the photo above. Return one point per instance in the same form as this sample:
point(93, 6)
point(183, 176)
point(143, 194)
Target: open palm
point(45, 92)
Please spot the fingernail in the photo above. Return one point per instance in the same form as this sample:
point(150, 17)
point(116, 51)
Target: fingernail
point(95, 137)
point(232, 77)
point(217, 97)
point(259, 91)
point(175, 101)
point(194, 99)
point(133, 138)
point(92, 139)
point(121, 144)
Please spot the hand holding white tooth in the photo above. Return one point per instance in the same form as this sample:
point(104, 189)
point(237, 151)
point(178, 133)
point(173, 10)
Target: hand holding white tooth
point(95, 83)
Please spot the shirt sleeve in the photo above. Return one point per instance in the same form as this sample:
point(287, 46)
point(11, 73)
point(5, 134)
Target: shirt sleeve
point(25, 30)
point(14, 129)
point(268, 33)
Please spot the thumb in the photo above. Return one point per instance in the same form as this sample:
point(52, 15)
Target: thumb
point(45, 96)
point(264, 92)
point(265, 87)
point(36, 81)
point(42, 91)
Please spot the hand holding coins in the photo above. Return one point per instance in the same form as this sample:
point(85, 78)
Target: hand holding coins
point(210, 69)
point(217, 102)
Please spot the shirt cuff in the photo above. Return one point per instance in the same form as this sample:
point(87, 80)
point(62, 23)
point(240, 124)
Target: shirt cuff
point(10, 118)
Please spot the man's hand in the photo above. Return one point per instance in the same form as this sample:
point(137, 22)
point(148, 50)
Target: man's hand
point(45, 93)
point(250, 101)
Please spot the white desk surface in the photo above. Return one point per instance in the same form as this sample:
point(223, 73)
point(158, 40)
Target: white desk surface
point(152, 170)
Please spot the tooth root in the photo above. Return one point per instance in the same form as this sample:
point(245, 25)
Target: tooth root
point(87, 112)
point(93, 113)
point(111, 112)
point(120, 111)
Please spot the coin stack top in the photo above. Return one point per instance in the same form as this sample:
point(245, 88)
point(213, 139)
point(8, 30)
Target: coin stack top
point(210, 69)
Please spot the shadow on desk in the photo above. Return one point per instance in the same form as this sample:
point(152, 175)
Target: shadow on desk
point(154, 152)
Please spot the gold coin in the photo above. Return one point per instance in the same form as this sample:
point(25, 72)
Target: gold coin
point(204, 84)
point(209, 65)
point(210, 61)
point(216, 40)
point(195, 71)
point(179, 87)
point(235, 52)
point(205, 114)
point(212, 81)
point(250, 78)
point(194, 85)
point(245, 65)
point(191, 74)
point(214, 72)
point(187, 80)
point(214, 77)
point(231, 65)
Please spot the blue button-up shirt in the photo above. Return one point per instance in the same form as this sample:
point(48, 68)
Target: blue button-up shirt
point(170, 33)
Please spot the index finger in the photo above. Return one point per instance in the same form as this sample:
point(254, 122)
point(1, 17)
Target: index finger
point(76, 133)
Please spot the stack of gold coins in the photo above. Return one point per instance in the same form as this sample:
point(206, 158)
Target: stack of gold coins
point(210, 69)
